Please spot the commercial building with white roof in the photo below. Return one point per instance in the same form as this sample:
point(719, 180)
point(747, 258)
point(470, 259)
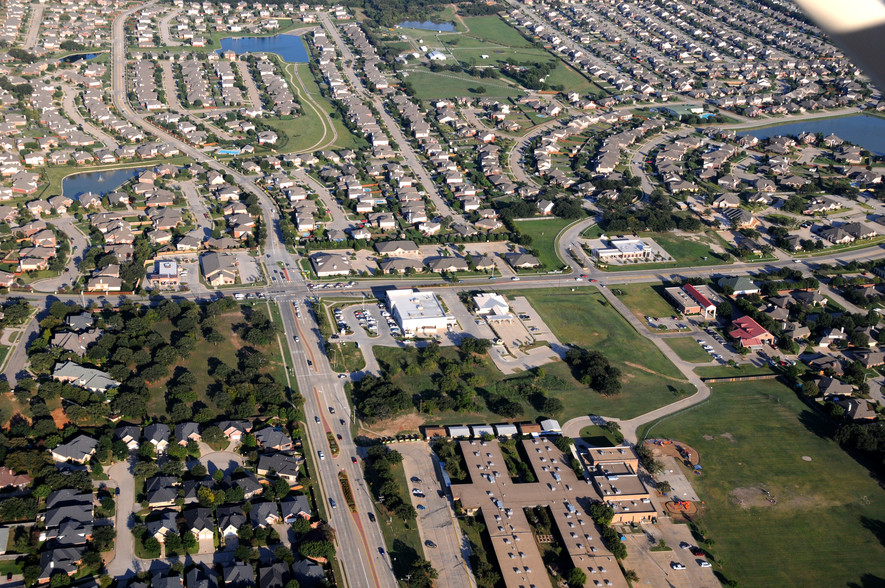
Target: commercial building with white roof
point(417, 312)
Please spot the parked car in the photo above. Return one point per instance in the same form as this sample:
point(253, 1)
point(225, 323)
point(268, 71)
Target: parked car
point(705, 564)
point(677, 566)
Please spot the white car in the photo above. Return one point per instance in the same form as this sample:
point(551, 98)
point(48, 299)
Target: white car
point(677, 566)
point(704, 563)
point(323, 456)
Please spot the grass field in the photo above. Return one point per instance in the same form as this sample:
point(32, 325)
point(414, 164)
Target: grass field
point(345, 357)
point(596, 435)
point(492, 28)
point(688, 349)
point(586, 319)
point(684, 251)
point(644, 300)
point(826, 528)
point(430, 85)
point(543, 233)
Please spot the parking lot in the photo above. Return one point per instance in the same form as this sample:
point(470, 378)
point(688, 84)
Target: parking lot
point(249, 271)
point(655, 568)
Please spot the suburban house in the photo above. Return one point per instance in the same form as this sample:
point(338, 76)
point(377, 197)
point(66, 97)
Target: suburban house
point(265, 514)
point(88, 378)
point(273, 438)
point(295, 507)
point(185, 432)
point(739, 285)
point(80, 449)
point(161, 491)
point(199, 521)
point(285, 466)
point(157, 435)
point(397, 248)
point(748, 333)
point(230, 519)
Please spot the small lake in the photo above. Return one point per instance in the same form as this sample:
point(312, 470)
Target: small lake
point(427, 25)
point(289, 47)
point(100, 182)
point(78, 57)
point(865, 131)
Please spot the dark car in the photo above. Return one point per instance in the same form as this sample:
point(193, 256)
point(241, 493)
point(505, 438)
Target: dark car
point(698, 552)
point(381, 550)
point(372, 517)
point(353, 459)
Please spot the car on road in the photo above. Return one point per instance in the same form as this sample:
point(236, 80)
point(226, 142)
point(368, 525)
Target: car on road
point(342, 376)
point(339, 436)
point(372, 517)
point(341, 421)
point(585, 275)
point(316, 419)
point(309, 363)
point(677, 566)
point(332, 502)
point(514, 279)
point(331, 410)
point(321, 454)
point(705, 564)
point(297, 339)
point(381, 550)
point(492, 278)
point(353, 458)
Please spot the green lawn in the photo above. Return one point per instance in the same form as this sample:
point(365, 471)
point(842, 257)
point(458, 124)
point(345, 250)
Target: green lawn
point(493, 29)
point(644, 299)
point(826, 528)
point(586, 319)
point(308, 127)
point(345, 357)
point(688, 349)
point(543, 233)
point(596, 435)
point(401, 538)
point(429, 85)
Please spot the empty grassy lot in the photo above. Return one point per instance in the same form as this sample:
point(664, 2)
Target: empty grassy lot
point(688, 349)
point(644, 300)
point(586, 319)
point(543, 233)
point(826, 528)
point(345, 357)
point(492, 28)
point(430, 85)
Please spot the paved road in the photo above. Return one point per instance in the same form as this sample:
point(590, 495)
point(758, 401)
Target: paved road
point(197, 206)
point(69, 106)
point(170, 88)
point(249, 81)
point(124, 553)
point(79, 244)
point(336, 211)
point(34, 26)
point(330, 133)
point(18, 357)
point(165, 37)
point(518, 150)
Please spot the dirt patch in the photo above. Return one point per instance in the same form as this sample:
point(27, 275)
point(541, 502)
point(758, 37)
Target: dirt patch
point(747, 498)
point(404, 424)
point(709, 437)
point(669, 447)
point(728, 436)
point(651, 371)
point(60, 418)
point(806, 458)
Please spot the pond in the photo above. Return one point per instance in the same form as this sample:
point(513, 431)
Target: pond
point(78, 57)
point(447, 27)
point(99, 182)
point(289, 47)
point(863, 130)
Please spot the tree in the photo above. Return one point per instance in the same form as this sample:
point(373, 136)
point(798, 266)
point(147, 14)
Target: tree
point(317, 548)
point(301, 526)
point(631, 576)
point(576, 577)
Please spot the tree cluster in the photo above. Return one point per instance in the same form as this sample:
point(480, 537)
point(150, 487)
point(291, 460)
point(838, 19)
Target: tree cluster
point(378, 468)
point(593, 369)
